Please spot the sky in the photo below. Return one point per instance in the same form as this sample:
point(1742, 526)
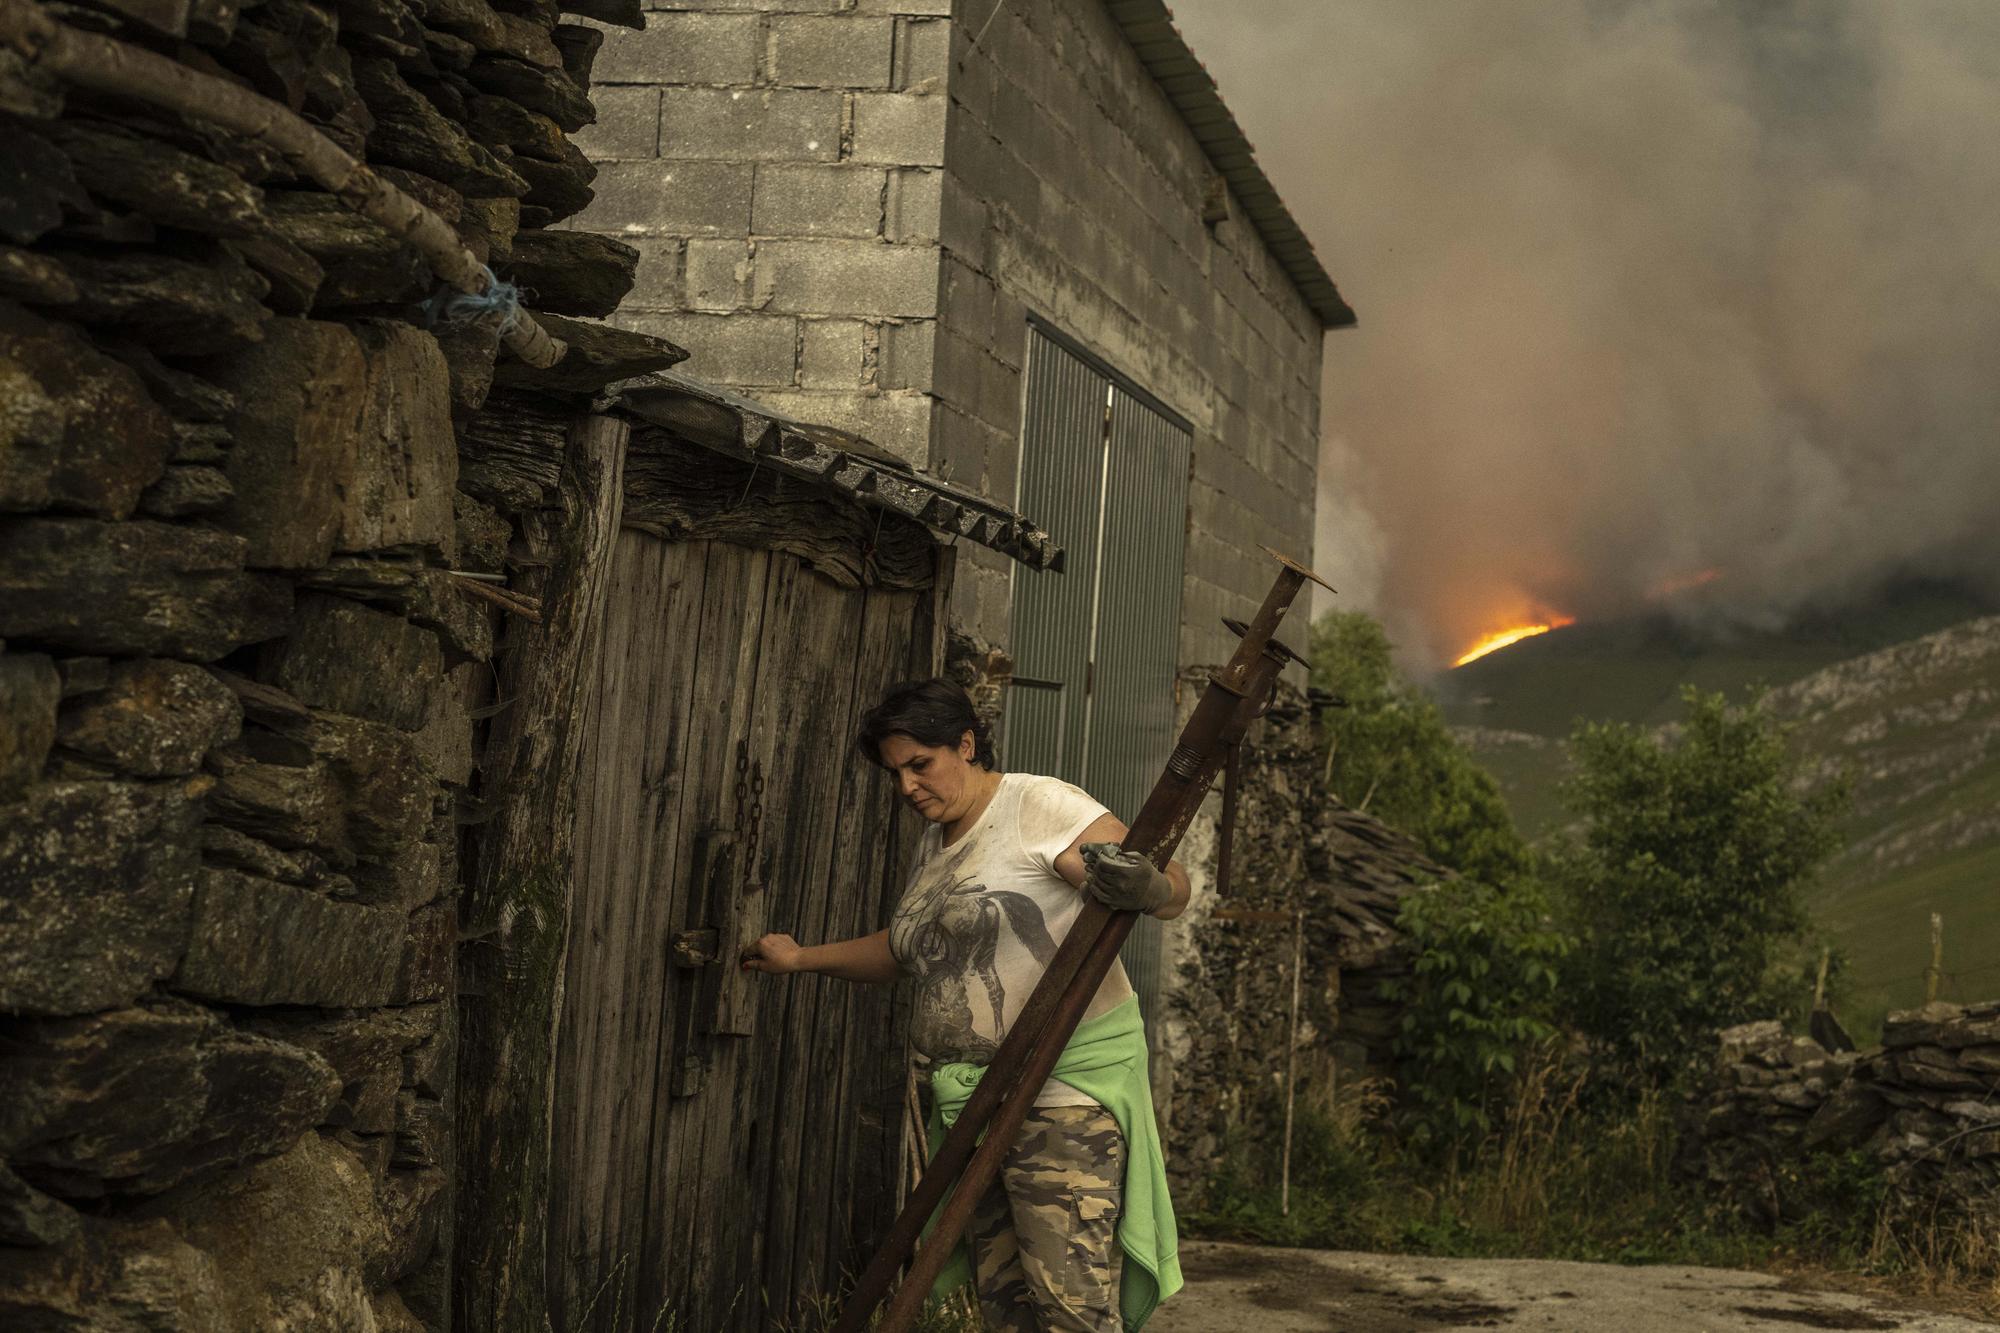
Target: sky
point(1664, 305)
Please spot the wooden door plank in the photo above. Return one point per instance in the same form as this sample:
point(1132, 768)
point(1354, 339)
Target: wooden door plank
point(516, 906)
point(805, 667)
point(876, 845)
point(688, 1220)
point(627, 905)
point(575, 1208)
point(863, 1052)
point(888, 1159)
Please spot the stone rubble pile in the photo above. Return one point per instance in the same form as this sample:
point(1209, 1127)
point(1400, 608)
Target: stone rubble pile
point(240, 669)
point(1924, 1106)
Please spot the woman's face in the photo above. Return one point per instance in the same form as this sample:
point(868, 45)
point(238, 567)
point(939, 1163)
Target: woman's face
point(936, 780)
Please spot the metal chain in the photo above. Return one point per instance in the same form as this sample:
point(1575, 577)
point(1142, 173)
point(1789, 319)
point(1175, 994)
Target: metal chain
point(742, 780)
point(756, 816)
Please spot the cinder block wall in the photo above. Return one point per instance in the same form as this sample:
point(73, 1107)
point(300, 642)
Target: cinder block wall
point(848, 208)
point(1073, 189)
point(777, 164)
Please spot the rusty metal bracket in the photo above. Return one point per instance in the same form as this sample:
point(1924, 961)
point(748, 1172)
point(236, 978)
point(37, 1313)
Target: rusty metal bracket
point(725, 1000)
point(696, 948)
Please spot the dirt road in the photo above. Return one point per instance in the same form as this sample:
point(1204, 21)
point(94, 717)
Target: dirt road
point(1249, 1289)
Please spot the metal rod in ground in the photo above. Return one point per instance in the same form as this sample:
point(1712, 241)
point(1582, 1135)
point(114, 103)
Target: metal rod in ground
point(1291, 1063)
point(1226, 838)
point(1224, 712)
point(1935, 972)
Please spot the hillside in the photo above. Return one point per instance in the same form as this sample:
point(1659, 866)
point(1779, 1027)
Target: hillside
point(1905, 696)
point(1918, 726)
point(1632, 670)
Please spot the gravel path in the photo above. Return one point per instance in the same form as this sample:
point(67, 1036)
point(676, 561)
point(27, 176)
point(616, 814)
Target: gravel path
point(1251, 1289)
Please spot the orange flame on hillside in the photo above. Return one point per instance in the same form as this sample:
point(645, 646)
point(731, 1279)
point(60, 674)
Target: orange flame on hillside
point(1500, 638)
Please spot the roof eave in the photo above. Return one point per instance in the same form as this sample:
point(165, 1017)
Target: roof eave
point(1148, 26)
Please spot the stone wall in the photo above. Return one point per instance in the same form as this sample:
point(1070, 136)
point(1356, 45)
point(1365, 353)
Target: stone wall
point(248, 616)
point(1924, 1106)
point(775, 164)
point(1220, 1068)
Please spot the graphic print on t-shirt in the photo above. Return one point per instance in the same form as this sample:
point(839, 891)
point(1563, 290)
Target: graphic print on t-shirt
point(947, 935)
point(980, 920)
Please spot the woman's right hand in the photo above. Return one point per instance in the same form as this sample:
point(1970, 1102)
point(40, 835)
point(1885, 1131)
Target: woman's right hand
point(773, 953)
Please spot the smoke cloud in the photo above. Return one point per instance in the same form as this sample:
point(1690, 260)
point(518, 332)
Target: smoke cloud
point(1646, 288)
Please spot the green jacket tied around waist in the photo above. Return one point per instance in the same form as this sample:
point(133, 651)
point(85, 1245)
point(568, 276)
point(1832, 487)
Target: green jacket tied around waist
point(1105, 1059)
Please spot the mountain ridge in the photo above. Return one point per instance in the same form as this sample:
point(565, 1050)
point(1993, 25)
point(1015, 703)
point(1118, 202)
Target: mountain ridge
point(1915, 722)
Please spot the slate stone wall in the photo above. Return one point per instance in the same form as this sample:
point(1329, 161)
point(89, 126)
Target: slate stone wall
point(1924, 1107)
point(1220, 1057)
point(241, 669)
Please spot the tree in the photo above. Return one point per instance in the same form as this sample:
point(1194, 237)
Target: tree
point(1386, 750)
point(1684, 884)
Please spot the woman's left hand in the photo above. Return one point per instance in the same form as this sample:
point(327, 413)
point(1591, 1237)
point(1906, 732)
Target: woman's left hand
point(1123, 881)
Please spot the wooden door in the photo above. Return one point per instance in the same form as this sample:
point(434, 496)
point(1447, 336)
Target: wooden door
point(725, 1178)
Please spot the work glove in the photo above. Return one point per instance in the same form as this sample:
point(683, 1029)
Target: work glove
point(1123, 881)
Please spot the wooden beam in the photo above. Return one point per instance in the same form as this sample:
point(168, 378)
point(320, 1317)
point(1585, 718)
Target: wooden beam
point(514, 915)
point(512, 459)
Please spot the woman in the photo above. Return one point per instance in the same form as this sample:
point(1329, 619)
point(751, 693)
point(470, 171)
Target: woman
point(1000, 876)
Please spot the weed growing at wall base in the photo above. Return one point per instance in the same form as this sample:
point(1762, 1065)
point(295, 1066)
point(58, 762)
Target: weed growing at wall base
point(1556, 1181)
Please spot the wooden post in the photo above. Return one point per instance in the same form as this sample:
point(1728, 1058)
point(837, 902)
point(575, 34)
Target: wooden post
point(514, 916)
point(1935, 972)
point(1819, 983)
point(1292, 1063)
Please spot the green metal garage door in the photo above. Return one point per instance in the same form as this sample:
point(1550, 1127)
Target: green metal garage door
point(1104, 466)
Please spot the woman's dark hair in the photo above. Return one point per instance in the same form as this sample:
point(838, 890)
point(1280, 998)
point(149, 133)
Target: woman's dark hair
point(929, 712)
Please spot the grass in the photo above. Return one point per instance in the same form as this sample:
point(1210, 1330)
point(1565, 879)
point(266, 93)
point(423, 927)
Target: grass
point(1559, 1181)
point(1884, 927)
point(956, 1313)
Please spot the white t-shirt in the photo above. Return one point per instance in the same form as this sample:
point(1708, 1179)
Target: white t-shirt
point(981, 919)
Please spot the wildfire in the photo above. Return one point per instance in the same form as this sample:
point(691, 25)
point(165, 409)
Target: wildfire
point(1499, 639)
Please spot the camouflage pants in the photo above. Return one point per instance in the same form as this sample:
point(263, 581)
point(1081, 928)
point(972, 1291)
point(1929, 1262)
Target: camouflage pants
point(1044, 1245)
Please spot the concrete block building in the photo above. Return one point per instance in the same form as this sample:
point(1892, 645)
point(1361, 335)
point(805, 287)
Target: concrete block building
point(1023, 245)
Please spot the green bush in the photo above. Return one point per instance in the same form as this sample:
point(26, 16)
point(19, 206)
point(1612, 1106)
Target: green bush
point(1480, 996)
point(1683, 888)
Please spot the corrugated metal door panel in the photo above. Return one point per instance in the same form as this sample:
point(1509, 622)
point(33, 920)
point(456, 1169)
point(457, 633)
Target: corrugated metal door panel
point(1137, 633)
point(1139, 604)
point(1062, 485)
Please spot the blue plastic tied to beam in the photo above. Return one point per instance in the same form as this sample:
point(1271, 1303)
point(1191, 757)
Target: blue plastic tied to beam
point(499, 303)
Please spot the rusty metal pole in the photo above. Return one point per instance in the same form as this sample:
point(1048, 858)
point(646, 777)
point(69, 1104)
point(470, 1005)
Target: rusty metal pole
point(1291, 1063)
point(1037, 1037)
point(1225, 838)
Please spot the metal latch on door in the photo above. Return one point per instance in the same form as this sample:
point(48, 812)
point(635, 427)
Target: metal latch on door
point(722, 878)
